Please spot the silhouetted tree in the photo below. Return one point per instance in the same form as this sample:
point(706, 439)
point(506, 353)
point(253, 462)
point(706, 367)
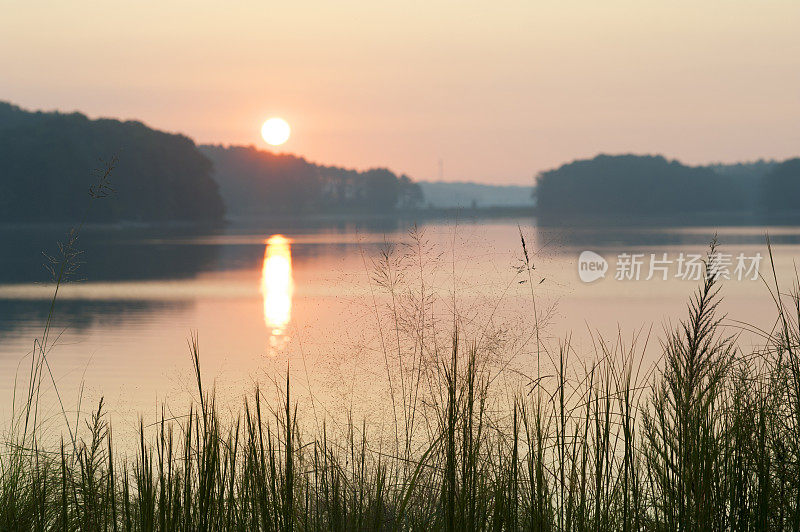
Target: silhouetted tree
point(631, 184)
point(258, 182)
point(380, 189)
point(411, 195)
point(47, 159)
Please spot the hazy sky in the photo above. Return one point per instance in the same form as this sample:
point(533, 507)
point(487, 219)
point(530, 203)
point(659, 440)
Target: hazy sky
point(497, 90)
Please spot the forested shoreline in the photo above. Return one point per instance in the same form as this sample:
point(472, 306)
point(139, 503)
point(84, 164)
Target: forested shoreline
point(651, 185)
point(48, 159)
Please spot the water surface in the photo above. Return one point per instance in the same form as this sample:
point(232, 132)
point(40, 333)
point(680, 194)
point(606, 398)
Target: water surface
point(316, 299)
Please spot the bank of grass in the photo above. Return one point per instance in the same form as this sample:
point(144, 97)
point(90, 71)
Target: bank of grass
point(708, 441)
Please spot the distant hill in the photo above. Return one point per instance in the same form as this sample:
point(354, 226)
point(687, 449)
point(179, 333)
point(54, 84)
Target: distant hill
point(47, 162)
point(256, 182)
point(636, 184)
point(467, 195)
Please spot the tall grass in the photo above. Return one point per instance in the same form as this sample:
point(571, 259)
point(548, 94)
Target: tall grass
point(709, 440)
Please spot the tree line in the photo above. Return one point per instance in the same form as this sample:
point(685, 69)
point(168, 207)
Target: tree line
point(254, 181)
point(47, 158)
point(653, 185)
point(47, 161)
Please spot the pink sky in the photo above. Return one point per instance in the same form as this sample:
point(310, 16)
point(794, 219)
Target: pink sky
point(497, 90)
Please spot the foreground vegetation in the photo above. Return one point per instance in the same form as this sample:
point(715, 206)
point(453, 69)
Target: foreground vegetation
point(708, 441)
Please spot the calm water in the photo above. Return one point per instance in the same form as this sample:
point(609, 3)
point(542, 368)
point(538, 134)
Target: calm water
point(261, 297)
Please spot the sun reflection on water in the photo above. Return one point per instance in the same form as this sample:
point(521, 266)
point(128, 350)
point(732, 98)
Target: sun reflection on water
point(277, 287)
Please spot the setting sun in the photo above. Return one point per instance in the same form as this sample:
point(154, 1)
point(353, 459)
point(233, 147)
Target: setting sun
point(275, 131)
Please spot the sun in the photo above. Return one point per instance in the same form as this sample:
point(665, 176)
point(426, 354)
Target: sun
point(275, 131)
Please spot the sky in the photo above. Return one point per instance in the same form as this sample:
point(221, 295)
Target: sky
point(498, 91)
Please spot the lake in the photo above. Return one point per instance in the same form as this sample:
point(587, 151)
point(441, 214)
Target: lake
point(329, 300)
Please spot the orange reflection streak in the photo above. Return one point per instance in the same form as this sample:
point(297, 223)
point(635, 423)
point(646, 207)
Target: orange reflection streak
point(277, 287)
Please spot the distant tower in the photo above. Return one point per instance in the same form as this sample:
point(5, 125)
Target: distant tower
point(441, 169)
